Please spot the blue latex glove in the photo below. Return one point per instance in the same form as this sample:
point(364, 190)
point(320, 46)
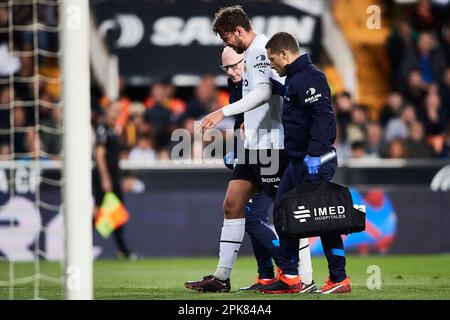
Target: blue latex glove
point(229, 160)
point(312, 164)
point(277, 87)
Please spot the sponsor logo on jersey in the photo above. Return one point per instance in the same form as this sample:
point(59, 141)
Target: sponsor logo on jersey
point(310, 91)
point(262, 65)
point(270, 180)
point(261, 57)
point(313, 98)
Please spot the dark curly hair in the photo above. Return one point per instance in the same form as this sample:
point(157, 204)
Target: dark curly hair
point(227, 19)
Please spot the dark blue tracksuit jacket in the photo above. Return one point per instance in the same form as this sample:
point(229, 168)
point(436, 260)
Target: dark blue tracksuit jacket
point(309, 128)
point(308, 117)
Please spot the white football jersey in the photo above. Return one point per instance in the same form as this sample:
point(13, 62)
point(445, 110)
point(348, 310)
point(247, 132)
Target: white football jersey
point(263, 127)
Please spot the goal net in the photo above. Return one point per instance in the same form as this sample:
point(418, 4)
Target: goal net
point(39, 256)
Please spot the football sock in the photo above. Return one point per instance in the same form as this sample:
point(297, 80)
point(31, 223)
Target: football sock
point(304, 264)
point(230, 241)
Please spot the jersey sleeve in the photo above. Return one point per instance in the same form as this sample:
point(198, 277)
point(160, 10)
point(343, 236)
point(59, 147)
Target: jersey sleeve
point(260, 66)
point(315, 95)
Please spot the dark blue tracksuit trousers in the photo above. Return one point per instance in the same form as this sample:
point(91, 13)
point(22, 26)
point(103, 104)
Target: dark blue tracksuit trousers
point(265, 242)
point(332, 244)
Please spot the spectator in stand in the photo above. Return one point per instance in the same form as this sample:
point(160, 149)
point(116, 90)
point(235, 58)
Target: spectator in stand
point(446, 146)
point(165, 88)
point(446, 42)
point(50, 69)
point(392, 108)
point(135, 125)
point(34, 149)
point(416, 145)
point(343, 148)
point(398, 127)
point(46, 15)
point(5, 153)
point(28, 90)
point(416, 89)
point(124, 153)
point(424, 15)
point(144, 150)
point(358, 151)
point(5, 100)
point(205, 98)
point(356, 129)
point(26, 66)
point(52, 140)
point(20, 121)
point(177, 106)
point(396, 149)
point(374, 141)
point(4, 21)
point(402, 39)
point(444, 92)
point(428, 58)
point(124, 102)
point(435, 117)
point(342, 104)
point(158, 115)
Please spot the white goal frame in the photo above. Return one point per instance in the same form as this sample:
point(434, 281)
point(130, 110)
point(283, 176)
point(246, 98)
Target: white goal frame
point(77, 143)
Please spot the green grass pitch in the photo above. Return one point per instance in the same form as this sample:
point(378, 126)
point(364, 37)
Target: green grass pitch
point(403, 277)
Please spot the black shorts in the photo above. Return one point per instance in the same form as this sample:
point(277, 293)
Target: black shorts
point(97, 189)
point(264, 168)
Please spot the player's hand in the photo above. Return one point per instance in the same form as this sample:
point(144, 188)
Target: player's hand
point(312, 164)
point(211, 120)
point(277, 87)
point(106, 185)
point(242, 131)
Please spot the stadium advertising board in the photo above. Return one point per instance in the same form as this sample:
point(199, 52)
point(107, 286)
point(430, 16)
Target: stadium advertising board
point(398, 219)
point(160, 39)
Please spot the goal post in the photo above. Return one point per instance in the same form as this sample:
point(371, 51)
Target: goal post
point(77, 141)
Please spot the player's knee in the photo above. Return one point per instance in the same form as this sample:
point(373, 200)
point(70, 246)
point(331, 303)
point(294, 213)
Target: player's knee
point(232, 210)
